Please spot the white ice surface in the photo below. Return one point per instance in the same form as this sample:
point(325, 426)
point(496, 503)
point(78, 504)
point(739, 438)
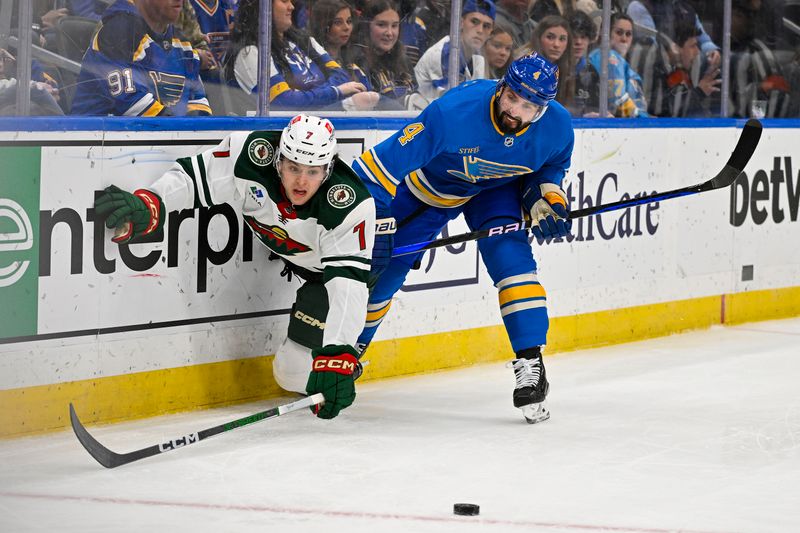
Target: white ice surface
point(697, 432)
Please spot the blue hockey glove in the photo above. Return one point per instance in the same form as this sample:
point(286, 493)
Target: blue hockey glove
point(333, 373)
point(549, 210)
point(385, 227)
point(134, 215)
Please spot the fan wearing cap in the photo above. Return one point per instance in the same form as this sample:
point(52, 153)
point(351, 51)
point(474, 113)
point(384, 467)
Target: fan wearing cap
point(491, 150)
point(308, 208)
point(477, 21)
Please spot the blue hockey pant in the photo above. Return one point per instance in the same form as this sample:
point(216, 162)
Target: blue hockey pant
point(508, 259)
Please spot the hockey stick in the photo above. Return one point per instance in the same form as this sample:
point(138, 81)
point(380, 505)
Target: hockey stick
point(110, 459)
point(741, 154)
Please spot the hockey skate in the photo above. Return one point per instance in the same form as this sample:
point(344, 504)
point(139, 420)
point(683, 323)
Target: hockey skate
point(531, 387)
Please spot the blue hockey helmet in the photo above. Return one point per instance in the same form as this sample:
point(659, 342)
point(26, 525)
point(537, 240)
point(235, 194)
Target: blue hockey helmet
point(534, 78)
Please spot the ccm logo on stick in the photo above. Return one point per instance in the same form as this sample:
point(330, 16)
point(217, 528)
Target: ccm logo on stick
point(179, 442)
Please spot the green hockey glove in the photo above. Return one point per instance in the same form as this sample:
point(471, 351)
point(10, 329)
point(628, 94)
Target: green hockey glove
point(332, 374)
point(134, 215)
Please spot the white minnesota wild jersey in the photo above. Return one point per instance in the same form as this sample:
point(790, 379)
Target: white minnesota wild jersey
point(332, 234)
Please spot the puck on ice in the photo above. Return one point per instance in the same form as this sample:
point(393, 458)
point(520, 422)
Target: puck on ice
point(466, 509)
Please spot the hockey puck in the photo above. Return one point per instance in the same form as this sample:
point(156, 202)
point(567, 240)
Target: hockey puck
point(466, 509)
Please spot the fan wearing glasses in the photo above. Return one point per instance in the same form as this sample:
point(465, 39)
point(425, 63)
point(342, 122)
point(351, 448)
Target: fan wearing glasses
point(625, 94)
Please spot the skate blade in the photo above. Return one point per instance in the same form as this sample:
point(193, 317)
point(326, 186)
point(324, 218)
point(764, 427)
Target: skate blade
point(535, 413)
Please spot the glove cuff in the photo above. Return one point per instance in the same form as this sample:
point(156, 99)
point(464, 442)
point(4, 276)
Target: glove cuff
point(344, 364)
point(553, 194)
point(154, 205)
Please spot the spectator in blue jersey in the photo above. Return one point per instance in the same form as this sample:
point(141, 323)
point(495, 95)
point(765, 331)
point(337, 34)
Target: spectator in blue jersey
point(497, 51)
point(331, 24)
point(215, 18)
point(424, 25)
point(138, 65)
point(431, 72)
point(625, 93)
point(303, 75)
point(491, 150)
point(382, 55)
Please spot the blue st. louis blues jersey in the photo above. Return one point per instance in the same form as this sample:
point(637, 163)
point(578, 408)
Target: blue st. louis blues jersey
point(132, 71)
point(454, 149)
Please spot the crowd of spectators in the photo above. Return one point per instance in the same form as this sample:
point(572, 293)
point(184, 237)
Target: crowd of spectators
point(200, 57)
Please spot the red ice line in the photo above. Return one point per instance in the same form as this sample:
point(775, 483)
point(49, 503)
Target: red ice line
point(348, 514)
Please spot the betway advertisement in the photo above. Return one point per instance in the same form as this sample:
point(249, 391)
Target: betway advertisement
point(75, 305)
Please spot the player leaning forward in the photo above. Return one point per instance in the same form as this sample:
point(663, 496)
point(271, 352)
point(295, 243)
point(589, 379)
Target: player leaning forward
point(488, 150)
point(306, 206)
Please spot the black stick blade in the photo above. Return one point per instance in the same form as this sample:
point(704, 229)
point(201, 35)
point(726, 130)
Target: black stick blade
point(102, 455)
point(748, 141)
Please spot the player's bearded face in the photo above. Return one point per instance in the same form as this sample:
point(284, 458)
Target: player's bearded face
point(513, 113)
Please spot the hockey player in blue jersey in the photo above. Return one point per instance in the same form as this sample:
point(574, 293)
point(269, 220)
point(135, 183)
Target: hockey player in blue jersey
point(137, 65)
point(487, 149)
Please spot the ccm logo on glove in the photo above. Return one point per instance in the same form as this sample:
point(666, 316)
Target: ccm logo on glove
point(342, 364)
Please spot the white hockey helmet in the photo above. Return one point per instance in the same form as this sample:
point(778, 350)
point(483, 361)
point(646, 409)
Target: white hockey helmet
point(308, 140)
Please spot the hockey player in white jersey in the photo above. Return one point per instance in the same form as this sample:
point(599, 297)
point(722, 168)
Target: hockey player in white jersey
point(306, 206)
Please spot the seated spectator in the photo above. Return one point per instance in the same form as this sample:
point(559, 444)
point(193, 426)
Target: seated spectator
point(331, 24)
point(43, 94)
point(137, 65)
point(513, 14)
point(88, 9)
point(551, 39)
point(497, 51)
point(215, 18)
point(757, 74)
point(665, 17)
point(303, 75)
point(189, 28)
point(539, 9)
point(673, 91)
point(382, 55)
point(477, 21)
point(586, 99)
point(424, 25)
point(625, 93)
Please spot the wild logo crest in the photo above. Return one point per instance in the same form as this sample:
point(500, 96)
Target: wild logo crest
point(276, 238)
point(476, 169)
point(261, 152)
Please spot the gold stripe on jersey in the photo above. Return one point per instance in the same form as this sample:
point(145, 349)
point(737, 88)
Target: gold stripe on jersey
point(199, 107)
point(141, 50)
point(369, 159)
point(278, 89)
point(153, 110)
point(427, 194)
